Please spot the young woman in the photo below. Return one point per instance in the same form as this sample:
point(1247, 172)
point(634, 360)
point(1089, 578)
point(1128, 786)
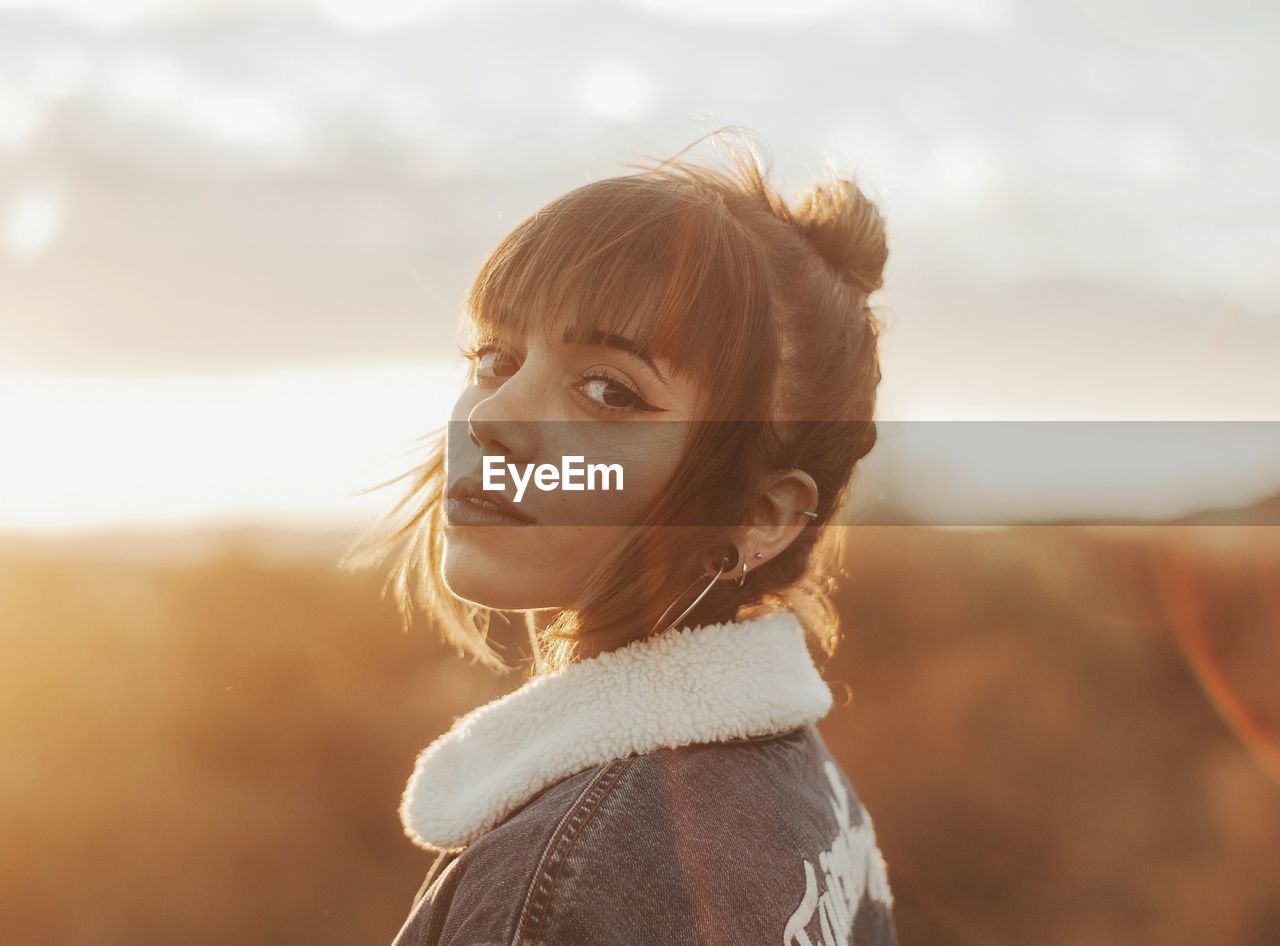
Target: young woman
point(659, 777)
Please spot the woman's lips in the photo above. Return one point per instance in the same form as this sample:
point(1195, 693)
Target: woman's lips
point(464, 512)
point(468, 492)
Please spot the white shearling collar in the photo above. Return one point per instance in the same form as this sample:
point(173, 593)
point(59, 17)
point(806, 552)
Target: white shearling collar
point(705, 684)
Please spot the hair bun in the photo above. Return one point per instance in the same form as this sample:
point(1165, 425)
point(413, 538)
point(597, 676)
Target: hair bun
point(846, 229)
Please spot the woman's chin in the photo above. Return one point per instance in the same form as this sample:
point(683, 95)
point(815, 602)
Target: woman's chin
point(481, 585)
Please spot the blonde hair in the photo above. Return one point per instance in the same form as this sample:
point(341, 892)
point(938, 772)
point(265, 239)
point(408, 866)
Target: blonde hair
point(711, 269)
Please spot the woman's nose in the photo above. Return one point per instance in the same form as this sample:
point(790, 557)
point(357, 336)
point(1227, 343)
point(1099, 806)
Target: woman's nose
point(503, 425)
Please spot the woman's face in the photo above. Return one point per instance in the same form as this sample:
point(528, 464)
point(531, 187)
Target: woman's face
point(533, 402)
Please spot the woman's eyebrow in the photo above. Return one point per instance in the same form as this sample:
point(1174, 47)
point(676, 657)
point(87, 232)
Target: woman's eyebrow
point(620, 342)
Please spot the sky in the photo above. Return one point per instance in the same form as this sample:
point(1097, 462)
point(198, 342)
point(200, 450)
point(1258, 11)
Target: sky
point(235, 237)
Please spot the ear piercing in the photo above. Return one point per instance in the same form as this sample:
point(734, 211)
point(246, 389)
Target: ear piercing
point(743, 577)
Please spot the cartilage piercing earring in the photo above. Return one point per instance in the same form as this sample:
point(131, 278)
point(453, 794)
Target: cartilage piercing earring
point(759, 554)
point(743, 577)
point(811, 515)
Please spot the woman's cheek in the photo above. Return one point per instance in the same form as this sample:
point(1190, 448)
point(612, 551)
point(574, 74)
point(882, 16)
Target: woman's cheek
point(645, 479)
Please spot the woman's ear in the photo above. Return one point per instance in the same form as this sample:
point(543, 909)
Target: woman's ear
point(777, 516)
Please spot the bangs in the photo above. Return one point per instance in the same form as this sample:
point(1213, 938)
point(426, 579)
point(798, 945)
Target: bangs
point(659, 263)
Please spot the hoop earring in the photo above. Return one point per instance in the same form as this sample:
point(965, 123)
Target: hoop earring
point(726, 562)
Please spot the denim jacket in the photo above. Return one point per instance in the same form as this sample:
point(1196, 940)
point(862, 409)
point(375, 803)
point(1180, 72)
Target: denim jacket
point(674, 791)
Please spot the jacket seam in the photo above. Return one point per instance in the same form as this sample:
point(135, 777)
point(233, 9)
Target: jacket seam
point(442, 859)
point(545, 877)
point(763, 737)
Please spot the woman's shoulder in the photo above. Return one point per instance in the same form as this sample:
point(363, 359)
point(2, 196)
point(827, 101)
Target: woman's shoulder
point(761, 837)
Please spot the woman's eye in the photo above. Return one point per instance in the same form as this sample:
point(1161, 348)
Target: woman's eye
point(610, 394)
point(600, 391)
point(488, 363)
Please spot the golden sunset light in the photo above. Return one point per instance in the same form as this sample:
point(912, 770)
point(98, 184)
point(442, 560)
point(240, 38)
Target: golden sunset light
point(882, 547)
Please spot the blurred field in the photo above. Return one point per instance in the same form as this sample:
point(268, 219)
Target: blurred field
point(1065, 737)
